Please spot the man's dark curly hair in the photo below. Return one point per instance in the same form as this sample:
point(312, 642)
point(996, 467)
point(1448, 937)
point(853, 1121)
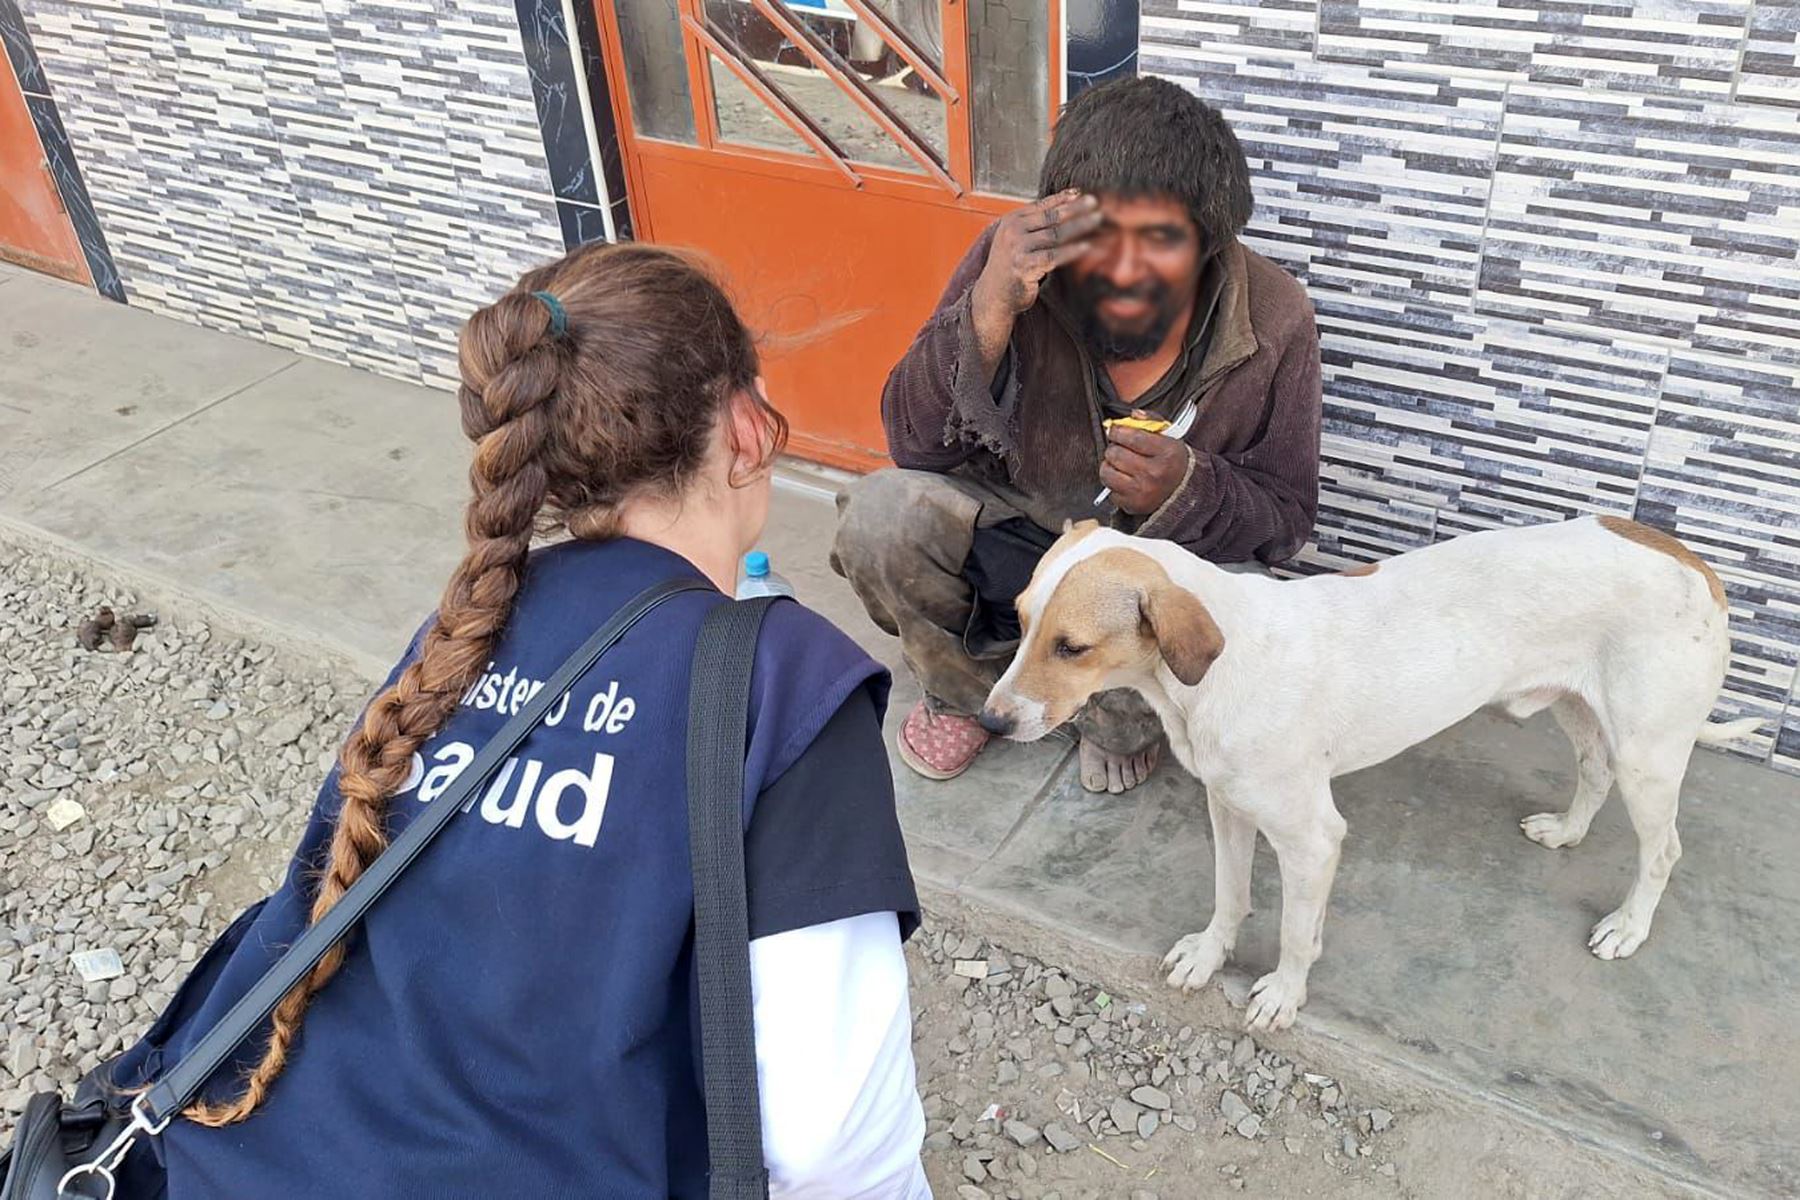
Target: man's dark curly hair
point(1148, 137)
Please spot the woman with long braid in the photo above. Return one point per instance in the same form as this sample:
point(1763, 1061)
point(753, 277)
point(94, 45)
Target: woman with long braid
point(517, 1016)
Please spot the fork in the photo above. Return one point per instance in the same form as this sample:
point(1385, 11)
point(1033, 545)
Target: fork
point(1178, 429)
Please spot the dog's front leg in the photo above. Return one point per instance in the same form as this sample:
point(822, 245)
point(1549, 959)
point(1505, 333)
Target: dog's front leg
point(1306, 834)
point(1198, 955)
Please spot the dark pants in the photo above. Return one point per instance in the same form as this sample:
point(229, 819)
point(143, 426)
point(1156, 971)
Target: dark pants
point(937, 559)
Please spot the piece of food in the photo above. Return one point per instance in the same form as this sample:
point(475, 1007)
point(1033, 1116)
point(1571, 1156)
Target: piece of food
point(1147, 424)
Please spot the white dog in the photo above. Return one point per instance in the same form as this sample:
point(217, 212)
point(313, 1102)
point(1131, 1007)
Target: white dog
point(1269, 689)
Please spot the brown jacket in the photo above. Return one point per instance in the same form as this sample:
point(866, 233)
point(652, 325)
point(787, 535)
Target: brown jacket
point(1252, 485)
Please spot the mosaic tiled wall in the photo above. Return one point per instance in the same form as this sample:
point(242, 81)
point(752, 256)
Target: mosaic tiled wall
point(346, 178)
point(1553, 250)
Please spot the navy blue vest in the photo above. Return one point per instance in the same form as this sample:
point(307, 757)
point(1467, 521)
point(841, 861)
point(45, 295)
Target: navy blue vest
point(516, 1017)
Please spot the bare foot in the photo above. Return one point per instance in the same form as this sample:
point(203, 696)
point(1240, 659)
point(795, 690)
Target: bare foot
point(1103, 771)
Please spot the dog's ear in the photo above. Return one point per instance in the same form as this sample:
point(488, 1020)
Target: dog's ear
point(1083, 527)
point(1185, 632)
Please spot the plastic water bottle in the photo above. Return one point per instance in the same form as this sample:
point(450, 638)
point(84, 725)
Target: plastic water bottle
point(759, 580)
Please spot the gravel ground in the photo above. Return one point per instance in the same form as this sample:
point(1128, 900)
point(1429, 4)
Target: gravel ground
point(1045, 1083)
point(1041, 1084)
point(193, 761)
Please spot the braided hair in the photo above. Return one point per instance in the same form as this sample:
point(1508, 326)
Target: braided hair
point(608, 388)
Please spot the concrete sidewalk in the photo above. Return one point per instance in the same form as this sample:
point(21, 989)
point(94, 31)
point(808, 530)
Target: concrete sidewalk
point(326, 503)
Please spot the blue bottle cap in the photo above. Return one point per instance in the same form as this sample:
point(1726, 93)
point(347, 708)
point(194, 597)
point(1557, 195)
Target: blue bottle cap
point(756, 564)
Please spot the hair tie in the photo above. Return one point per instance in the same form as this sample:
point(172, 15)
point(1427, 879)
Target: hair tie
point(559, 316)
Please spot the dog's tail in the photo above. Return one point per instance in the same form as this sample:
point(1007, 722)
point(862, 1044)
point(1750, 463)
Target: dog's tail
point(1723, 733)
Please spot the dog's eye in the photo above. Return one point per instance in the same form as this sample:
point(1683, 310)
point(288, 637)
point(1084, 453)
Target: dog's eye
point(1067, 649)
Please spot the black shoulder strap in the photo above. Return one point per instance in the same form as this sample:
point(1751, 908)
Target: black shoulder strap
point(718, 720)
point(177, 1089)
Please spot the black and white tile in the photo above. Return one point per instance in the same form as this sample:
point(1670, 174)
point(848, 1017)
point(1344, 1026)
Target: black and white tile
point(1366, 182)
point(1359, 525)
point(1191, 32)
point(1770, 70)
point(1488, 423)
point(1389, 373)
point(1554, 425)
point(1723, 474)
point(1658, 47)
point(346, 178)
point(1673, 227)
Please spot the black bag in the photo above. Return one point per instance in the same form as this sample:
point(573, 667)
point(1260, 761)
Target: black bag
point(73, 1150)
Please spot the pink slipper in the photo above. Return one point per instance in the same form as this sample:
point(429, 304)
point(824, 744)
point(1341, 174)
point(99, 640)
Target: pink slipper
point(939, 745)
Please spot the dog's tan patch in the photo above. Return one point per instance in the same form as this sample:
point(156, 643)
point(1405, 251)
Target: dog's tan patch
point(1655, 539)
point(1072, 535)
point(1357, 572)
point(1112, 613)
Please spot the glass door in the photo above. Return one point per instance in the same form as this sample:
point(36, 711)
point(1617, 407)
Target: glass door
point(837, 158)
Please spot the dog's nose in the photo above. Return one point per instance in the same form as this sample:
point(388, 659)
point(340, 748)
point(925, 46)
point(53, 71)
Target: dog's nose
point(995, 723)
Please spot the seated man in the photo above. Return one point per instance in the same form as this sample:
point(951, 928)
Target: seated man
point(1124, 290)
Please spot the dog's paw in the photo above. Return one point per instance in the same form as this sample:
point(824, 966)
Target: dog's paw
point(1194, 959)
point(1274, 1001)
point(1551, 830)
point(1617, 935)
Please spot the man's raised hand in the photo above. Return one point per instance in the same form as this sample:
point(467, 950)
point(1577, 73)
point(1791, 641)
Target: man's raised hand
point(1028, 244)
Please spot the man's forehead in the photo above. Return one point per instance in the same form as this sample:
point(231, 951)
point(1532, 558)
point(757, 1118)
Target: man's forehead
point(1133, 211)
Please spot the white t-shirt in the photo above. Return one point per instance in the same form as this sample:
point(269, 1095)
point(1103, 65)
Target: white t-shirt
point(840, 1099)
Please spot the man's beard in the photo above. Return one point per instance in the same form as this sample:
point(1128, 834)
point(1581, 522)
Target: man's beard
point(1110, 345)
